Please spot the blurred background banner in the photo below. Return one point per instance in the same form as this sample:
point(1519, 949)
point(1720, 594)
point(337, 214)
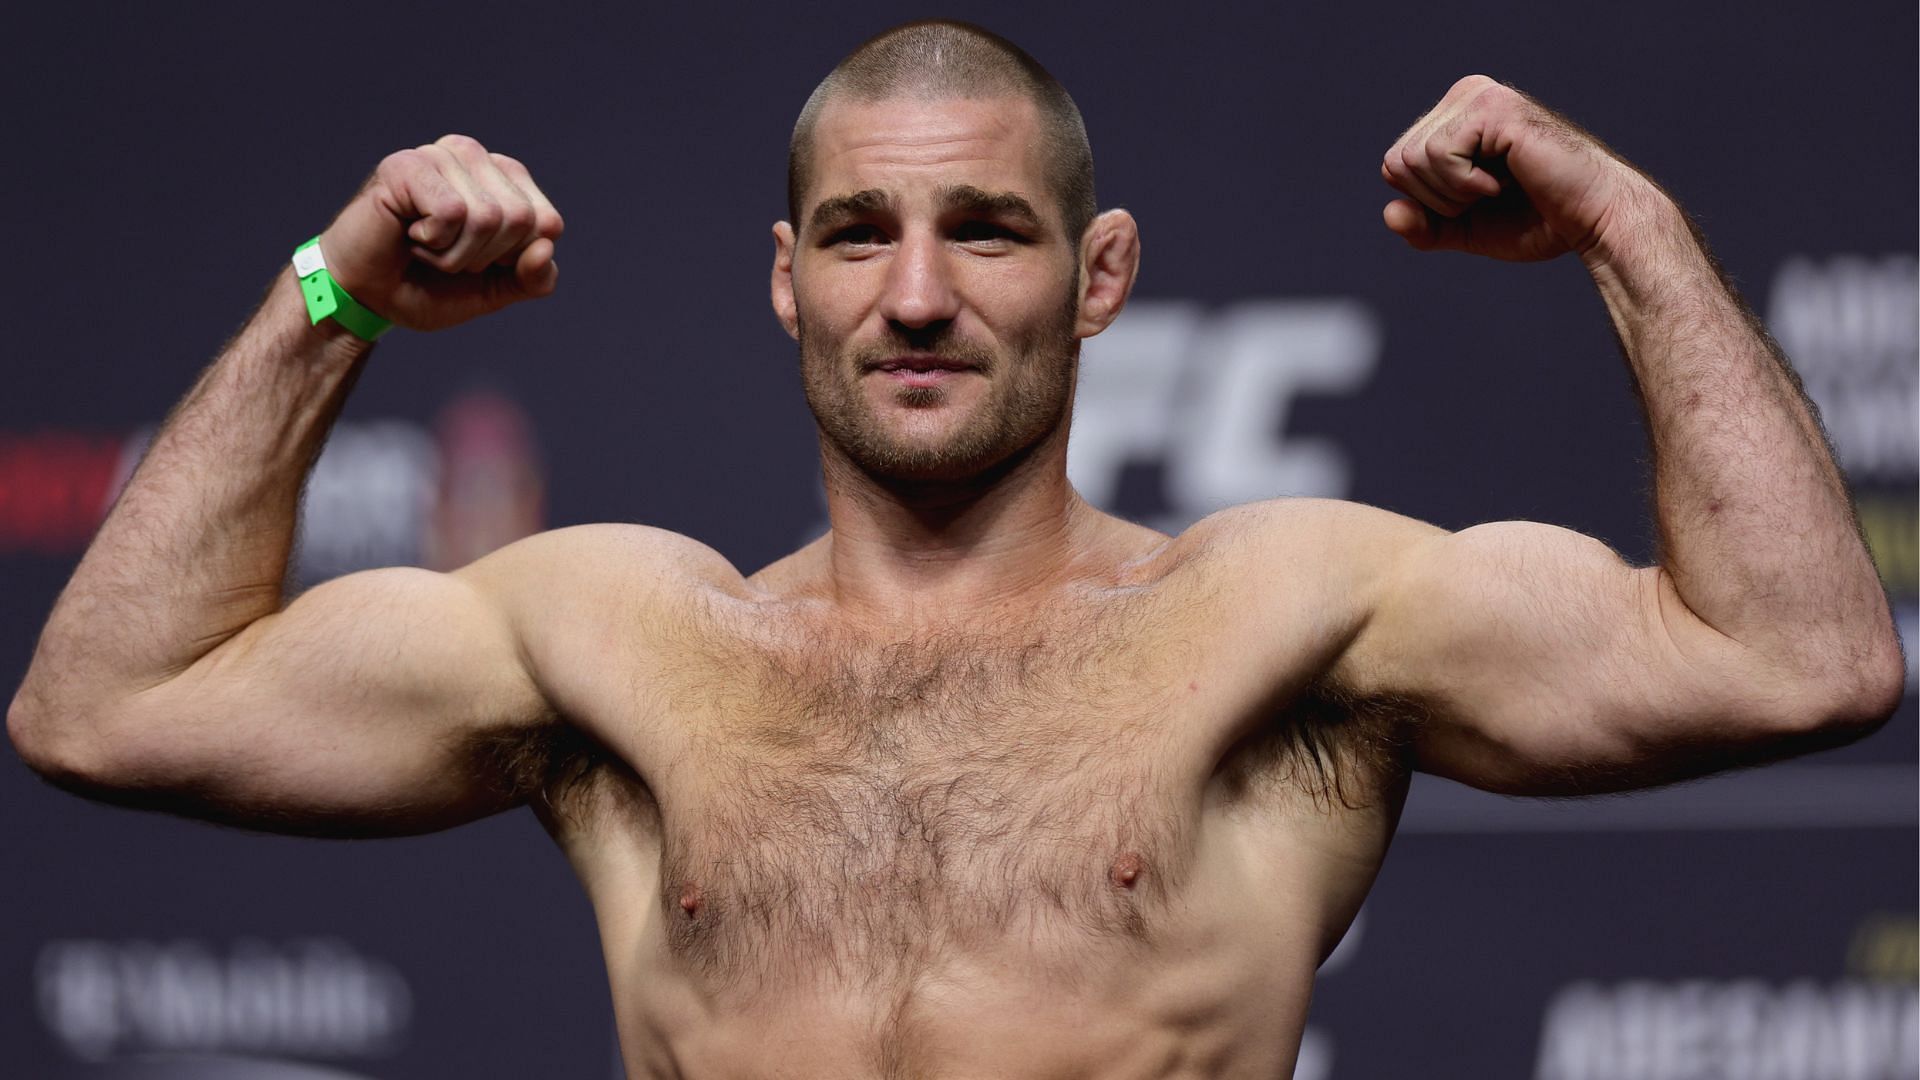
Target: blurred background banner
point(161, 161)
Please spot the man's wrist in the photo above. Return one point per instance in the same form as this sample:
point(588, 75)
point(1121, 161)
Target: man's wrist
point(327, 299)
point(326, 335)
point(1643, 225)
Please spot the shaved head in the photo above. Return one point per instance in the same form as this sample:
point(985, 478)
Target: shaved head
point(940, 59)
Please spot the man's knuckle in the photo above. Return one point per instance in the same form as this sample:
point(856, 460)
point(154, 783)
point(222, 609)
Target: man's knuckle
point(484, 213)
point(460, 144)
point(432, 157)
point(398, 162)
point(1506, 100)
point(517, 216)
point(549, 223)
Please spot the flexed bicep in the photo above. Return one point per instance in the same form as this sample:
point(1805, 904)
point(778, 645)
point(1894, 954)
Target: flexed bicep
point(1543, 663)
point(384, 702)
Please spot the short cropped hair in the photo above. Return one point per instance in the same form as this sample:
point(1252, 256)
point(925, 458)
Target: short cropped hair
point(935, 59)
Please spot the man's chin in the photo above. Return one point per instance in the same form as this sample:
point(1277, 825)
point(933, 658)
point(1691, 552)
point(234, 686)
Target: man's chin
point(923, 465)
point(922, 460)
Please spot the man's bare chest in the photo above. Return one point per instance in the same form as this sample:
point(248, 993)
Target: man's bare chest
point(831, 801)
point(861, 796)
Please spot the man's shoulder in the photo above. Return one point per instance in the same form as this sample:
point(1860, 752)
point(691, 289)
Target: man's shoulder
point(603, 562)
point(1292, 573)
point(1316, 534)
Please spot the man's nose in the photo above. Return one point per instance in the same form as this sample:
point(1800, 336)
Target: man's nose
point(919, 287)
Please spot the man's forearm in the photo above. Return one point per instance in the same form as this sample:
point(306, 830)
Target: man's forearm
point(196, 546)
point(1756, 526)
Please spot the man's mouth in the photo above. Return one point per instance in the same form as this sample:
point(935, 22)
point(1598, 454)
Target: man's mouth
point(921, 370)
point(919, 363)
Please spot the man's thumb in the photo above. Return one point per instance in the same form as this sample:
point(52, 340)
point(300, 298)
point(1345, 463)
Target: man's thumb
point(536, 272)
point(1419, 227)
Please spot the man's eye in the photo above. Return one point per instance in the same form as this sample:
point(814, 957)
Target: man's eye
point(857, 235)
point(975, 231)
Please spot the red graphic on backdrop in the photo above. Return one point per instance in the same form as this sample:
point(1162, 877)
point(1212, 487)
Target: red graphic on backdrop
point(54, 487)
point(480, 486)
point(491, 488)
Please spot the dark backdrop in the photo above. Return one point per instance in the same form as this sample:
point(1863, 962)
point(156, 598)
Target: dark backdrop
point(161, 161)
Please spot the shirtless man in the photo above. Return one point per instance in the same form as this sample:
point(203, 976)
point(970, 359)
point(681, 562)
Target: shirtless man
point(984, 782)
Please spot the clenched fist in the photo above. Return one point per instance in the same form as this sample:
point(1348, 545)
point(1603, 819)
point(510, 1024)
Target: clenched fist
point(1491, 171)
point(442, 233)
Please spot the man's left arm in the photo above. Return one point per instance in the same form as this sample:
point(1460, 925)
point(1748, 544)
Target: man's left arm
point(1540, 661)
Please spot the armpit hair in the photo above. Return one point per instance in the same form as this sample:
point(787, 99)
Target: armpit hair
point(1331, 744)
point(550, 767)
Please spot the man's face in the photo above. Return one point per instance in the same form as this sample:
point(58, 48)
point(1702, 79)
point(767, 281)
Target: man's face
point(934, 291)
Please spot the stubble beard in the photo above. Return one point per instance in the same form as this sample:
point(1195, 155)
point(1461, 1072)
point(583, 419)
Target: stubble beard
point(1030, 391)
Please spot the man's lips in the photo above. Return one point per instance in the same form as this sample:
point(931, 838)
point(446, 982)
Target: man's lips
point(921, 363)
point(921, 371)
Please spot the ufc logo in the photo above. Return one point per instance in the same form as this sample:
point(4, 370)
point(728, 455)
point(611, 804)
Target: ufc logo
point(1206, 394)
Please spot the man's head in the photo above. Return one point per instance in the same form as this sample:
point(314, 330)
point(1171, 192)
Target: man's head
point(943, 259)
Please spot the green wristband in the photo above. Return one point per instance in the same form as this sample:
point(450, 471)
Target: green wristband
point(326, 298)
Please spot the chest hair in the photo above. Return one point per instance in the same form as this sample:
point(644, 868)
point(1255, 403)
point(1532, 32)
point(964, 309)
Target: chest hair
point(863, 804)
point(866, 803)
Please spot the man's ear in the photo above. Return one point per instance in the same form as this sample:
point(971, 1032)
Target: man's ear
point(782, 285)
point(1109, 261)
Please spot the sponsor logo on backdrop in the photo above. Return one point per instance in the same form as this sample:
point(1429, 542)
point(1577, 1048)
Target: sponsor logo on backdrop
point(1851, 324)
point(384, 492)
point(204, 1067)
point(1196, 402)
point(1886, 946)
point(1743, 1029)
point(1865, 1026)
point(323, 999)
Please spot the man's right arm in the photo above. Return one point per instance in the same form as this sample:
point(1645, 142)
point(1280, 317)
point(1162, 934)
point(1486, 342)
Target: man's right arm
point(169, 674)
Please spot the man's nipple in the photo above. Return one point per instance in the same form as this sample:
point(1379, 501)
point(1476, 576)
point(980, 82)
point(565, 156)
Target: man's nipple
point(1126, 870)
point(690, 900)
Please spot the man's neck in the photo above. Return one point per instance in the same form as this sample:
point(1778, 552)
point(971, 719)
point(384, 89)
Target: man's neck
point(924, 553)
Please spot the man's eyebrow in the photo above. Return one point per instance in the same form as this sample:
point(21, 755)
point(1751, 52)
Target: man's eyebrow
point(963, 198)
point(840, 207)
point(966, 197)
